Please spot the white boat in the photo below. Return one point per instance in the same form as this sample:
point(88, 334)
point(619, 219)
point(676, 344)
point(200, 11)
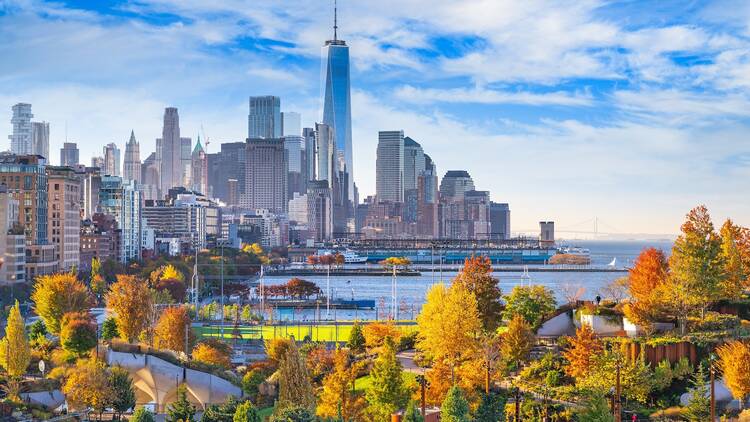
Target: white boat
point(575, 250)
point(351, 257)
point(613, 263)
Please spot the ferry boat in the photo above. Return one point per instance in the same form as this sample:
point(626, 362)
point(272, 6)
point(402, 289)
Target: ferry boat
point(350, 257)
point(575, 250)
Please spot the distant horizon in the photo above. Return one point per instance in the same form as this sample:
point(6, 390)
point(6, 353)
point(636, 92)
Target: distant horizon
point(633, 113)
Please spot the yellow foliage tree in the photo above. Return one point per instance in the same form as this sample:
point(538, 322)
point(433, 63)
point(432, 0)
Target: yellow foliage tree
point(376, 332)
point(338, 400)
point(15, 352)
point(581, 352)
point(449, 325)
point(87, 386)
point(55, 295)
point(735, 273)
point(171, 273)
point(276, 349)
point(517, 341)
point(734, 360)
point(213, 353)
point(131, 301)
point(171, 329)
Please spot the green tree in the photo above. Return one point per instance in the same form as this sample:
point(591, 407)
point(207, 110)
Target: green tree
point(455, 407)
point(141, 414)
point(356, 341)
point(123, 395)
point(696, 265)
point(37, 331)
point(533, 303)
point(223, 412)
point(181, 410)
point(246, 412)
point(294, 414)
point(295, 388)
point(699, 401)
point(596, 409)
point(476, 277)
point(78, 333)
point(387, 393)
point(109, 329)
point(491, 408)
point(251, 382)
point(412, 414)
point(635, 376)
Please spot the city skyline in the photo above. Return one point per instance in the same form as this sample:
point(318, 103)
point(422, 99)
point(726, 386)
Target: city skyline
point(633, 121)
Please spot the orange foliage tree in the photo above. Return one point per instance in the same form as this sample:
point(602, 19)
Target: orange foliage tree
point(338, 399)
point(646, 281)
point(173, 325)
point(131, 301)
point(376, 332)
point(55, 295)
point(581, 352)
point(213, 352)
point(734, 360)
point(476, 277)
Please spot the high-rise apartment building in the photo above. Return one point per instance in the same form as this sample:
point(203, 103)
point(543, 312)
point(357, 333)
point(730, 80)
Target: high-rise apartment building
point(131, 169)
point(12, 240)
point(111, 160)
point(122, 200)
point(169, 152)
point(265, 175)
point(40, 139)
point(199, 167)
point(69, 154)
point(389, 166)
point(264, 117)
point(91, 184)
point(26, 179)
point(20, 138)
point(337, 112)
point(64, 214)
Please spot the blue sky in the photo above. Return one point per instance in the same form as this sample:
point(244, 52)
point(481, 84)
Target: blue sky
point(630, 111)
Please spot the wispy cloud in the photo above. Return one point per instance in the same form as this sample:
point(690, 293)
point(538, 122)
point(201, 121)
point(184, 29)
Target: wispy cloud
point(412, 94)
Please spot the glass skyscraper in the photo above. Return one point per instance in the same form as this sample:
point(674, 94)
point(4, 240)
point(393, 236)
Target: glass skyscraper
point(336, 96)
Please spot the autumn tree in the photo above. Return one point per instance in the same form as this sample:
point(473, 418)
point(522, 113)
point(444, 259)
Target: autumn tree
point(533, 303)
point(595, 409)
point(295, 387)
point(276, 349)
point(87, 386)
point(246, 412)
point(696, 265)
point(650, 271)
point(141, 414)
point(376, 332)
point(15, 352)
point(476, 277)
point(213, 352)
point(130, 299)
point(455, 408)
point(387, 392)
point(171, 329)
point(54, 295)
point(338, 398)
point(735, 273)
point(174, 287)
point(449, 324)
point(734, 361)
point(581, 351)
point(123, 395)
point(635, 375)
point(78, 333)
point(517, 341)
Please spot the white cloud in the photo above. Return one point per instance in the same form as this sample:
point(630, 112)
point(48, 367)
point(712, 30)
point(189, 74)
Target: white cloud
point(410, 94)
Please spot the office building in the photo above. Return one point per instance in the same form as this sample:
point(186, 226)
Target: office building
point(291, 124)
point(477, 213)
point(264, 118)
point(132, 166)
point(294, 146)
point(150, 179)
point(234, 192)
point(336, 102)
point(414, 163)
point(319, 210)
point(40, 139)
point(308, 135)
point(298, 209)
point(265, 175)
point(170, 154)
point(186, 151)
point(26, 180)
point(97, 162)
point(121, 200)
point(228, 163)
point(499, 221)
point(91, 182)
point(199, 169)
point(389, 166)
point(12, 240)
point(64, 215)
point(69, 154)
point(427, 201)
point(111, 160)
point(455, 184)
point(20, 138)
point(189, 217)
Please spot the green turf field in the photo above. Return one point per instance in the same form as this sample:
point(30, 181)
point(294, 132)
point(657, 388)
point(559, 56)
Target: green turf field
point(322, 332)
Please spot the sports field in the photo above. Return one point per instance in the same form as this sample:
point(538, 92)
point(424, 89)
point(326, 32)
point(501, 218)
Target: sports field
point(316, 332)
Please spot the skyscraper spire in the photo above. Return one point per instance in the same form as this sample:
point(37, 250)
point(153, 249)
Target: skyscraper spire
point(335, 21)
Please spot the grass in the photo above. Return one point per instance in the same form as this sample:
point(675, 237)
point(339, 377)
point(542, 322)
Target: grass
point(323, 332)
point(265, 412)
point(362, 384)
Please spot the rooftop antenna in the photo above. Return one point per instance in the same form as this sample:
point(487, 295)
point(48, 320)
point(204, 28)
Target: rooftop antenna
point(335, 21)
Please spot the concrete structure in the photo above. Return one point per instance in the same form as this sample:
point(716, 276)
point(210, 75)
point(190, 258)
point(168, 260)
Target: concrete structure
point(264, 117)
point(12, 240)
point(155, 381)
point(337, 104)
point(547, 233)
point(97, 162)
point(40, 139)
point(69, 154)
point(265, 176)
point(111, 160)
point(389, 166)
point(455, 184)
point(20, 138)
point(308, 134)
point(427, 201)
point(477, 212)
point(132, 166)
point(64, 215)
point(99, 239)
point(41, 260)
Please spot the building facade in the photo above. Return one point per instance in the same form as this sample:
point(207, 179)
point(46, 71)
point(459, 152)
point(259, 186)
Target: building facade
point(20, 138)
point(69, 154)
point(265, 176)
point(389, 166)
point(40, 139)
point(64, 215)
point(264, 117)
point(111, 160)
point(131, 169)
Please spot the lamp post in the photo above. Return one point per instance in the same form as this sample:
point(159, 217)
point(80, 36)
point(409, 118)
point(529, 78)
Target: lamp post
point(221, 243)
point(712, 372)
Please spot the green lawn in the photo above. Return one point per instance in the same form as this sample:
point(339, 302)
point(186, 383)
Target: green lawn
point(323, 332)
